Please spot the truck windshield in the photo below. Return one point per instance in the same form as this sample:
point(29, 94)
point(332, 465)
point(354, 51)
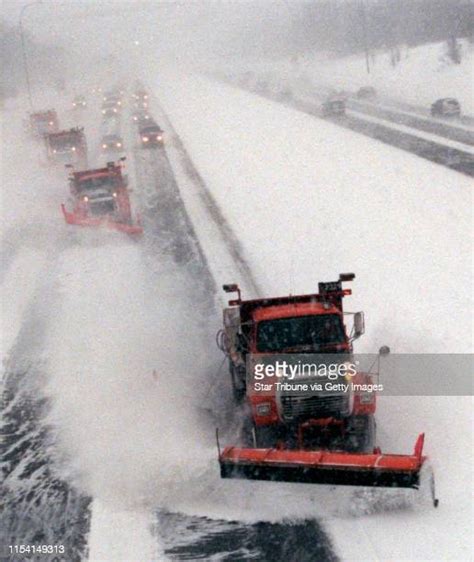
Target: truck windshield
point(299, 333)
point(102, 206)
point(105, 182)
point(63, 143)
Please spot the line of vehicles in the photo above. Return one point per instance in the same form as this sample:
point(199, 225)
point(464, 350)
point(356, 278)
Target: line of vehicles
point(302, 434)
point(335, 102)
point(100, 196)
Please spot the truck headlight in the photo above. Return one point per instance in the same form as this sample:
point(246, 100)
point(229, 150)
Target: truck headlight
point(145, 139)
point(263, 409)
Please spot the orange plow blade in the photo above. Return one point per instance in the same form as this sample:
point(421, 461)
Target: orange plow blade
point(324, 467)
point(72, 218)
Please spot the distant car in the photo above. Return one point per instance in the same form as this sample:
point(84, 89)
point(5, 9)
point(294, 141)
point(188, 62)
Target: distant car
point(112, 143)
point(110, 109)
point(78, 102)
point(140, 95)
point(112, 95)
point(140, 115)
point(446, 107)
point(366, 93)
point(333, 106)
point(151, 134)
point(140, 99)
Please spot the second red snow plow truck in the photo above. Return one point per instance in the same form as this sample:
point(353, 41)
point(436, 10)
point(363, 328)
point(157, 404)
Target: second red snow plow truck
point(101, 198)
point(67, 147)
point(300, 432)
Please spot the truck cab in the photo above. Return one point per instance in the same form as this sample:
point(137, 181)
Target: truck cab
point(67, 147)
point(261, 329)
point(101, 192)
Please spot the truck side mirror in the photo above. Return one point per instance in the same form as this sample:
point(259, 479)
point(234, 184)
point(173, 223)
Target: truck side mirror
point(359, 324)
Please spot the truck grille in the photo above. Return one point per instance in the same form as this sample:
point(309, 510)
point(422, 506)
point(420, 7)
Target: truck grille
point(295, 407)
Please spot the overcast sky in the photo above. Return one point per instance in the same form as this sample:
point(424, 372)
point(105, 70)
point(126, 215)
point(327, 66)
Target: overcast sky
point(104, 27)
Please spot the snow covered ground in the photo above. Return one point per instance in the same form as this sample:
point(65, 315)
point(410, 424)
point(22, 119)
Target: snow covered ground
point(308, 200)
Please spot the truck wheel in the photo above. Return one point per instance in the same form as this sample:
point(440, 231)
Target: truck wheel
point(264, 437)
point(361, 434)
point(238, 382)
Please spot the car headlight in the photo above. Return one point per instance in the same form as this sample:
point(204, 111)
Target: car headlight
point(85, 199)
point(263, 409)
point(114, 194)
point(54, 151)
point(145, 139)
point(103, 111)
point(73, 148)
point(115, 110)
point(104, 146)
point(51, 123)
point(159, 138)
point(119, 144)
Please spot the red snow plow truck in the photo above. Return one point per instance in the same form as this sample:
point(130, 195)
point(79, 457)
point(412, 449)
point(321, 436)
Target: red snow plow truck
point(101, 198)
point(67, 147)
point(304, 432)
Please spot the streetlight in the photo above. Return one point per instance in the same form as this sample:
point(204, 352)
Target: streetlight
point(23, 48)
point(365, 32)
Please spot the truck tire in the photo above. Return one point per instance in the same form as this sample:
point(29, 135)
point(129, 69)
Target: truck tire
point(257, 437)
point(264, 437)
point(361, 434)
point(239, 388)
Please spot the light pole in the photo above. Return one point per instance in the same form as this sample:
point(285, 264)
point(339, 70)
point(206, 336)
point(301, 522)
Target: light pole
point(23, 48)
point(366, 35)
